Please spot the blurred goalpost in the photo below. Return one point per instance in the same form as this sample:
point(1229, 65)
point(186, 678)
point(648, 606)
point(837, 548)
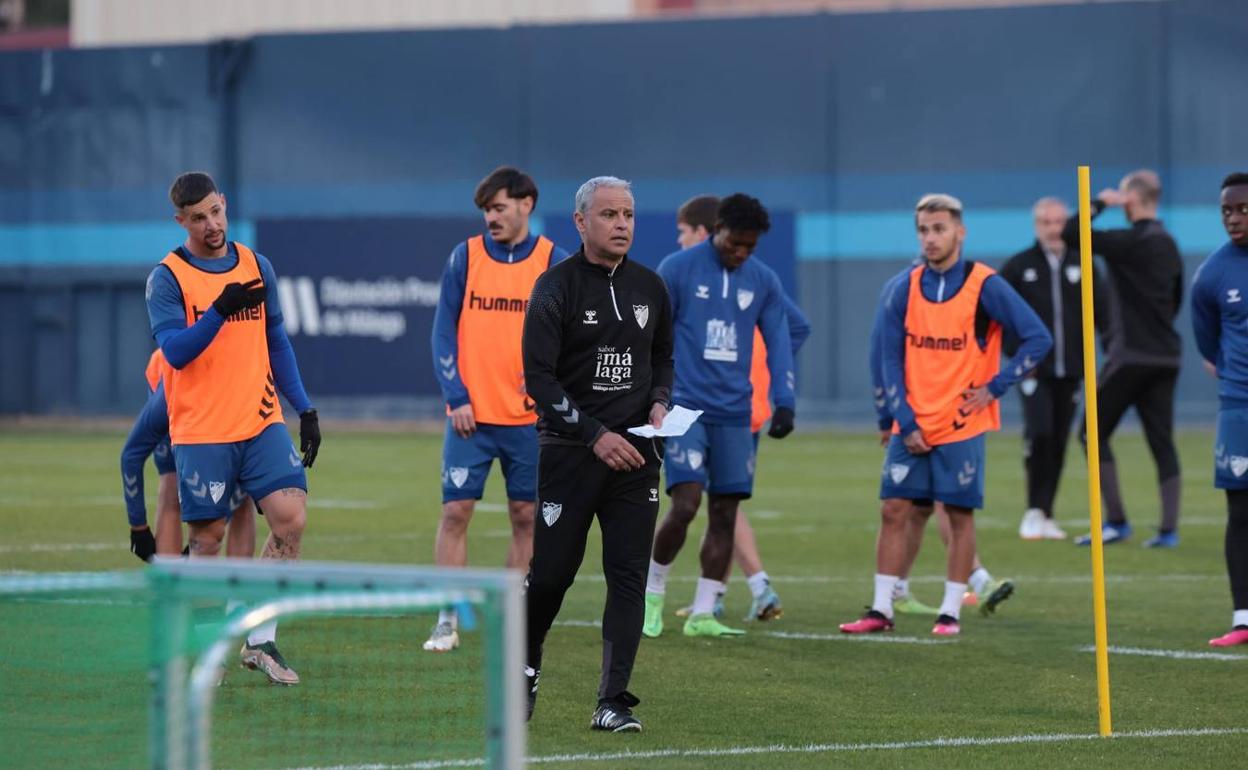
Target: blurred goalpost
point(343, 623)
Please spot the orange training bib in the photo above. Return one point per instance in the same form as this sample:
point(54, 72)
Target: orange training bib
point(943, 359)
point(227, 393)
point(491, 324)
point(760, 379)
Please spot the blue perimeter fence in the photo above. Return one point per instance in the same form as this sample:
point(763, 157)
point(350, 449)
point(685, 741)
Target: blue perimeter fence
point(350, 160)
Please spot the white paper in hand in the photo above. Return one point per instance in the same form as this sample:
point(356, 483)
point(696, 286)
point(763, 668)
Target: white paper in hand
point(676, 423)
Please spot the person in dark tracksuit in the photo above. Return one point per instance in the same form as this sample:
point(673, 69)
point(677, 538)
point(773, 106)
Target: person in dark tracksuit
point(1143, 346)
point(597, 348)
point(1046, 275)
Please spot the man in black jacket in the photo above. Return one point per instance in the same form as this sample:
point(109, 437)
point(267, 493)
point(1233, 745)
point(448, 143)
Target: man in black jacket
point(1143, 347)
point(597, 360)
point(1047, 277)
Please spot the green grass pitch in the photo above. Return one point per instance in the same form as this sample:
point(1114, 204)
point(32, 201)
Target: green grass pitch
point(790, 694)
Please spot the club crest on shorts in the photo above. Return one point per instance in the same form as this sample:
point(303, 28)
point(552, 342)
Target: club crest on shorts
point(216, 489)
point(967, 474)
point(898, 472)
point(654, 494)
point(642, 314)
point(1239, 464)
point(458, 476)
point(695, 459)
point(744, 298)
point(1028, 386)
point(550, 512)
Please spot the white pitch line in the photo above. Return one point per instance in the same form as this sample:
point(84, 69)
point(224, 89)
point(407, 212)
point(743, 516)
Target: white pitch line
point(1174, 654)
point(49, 547)
point(878, 638)
point(810, 748)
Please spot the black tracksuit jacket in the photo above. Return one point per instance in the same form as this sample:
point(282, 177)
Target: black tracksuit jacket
point(1057, 297)
point(597, 349)
point(1146, 272)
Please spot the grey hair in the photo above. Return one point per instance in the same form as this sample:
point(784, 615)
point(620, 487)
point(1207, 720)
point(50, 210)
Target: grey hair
point(1048, 200)
point(586, 193)
point(933, 202)
point(1145, 183)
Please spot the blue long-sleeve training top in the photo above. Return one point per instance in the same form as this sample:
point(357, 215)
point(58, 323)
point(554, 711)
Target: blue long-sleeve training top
point(150, 429)
point(875, 354)
point(445, 336)
point(1220, 320)
point(999, 302)
point(715, 311)
point(181, 344)
point(799, 325)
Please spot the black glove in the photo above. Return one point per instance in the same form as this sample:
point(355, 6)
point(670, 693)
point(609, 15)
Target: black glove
point(309, 436)
point(142, 543)
point(781, 422)
point(239, 296)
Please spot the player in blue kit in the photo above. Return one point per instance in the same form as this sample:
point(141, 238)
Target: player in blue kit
point(719, 295)
point(985, 591)
point(215, 314)
point(150, 438)
point(1220, 321)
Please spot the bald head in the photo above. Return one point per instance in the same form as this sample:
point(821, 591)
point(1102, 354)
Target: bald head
point(1142, 192)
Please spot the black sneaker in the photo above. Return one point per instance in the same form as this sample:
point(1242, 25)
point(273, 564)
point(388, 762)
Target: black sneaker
point(531, 676)
point(616, 715)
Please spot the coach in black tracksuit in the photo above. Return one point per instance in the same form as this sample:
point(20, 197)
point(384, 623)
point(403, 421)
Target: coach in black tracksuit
point(1144, 349)
point(1047, 276)
point(597, 360)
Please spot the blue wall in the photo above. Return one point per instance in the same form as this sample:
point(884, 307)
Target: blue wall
point(842, 120)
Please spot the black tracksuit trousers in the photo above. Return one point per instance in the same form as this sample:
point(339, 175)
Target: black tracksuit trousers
point(1150, 389)
point(574, 486)
point(1047, 415)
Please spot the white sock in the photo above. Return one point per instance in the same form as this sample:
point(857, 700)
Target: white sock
point(979, 580)
point(901, 589)
point(952, 605)
point(883, 601)
point(656, 583)
point(1239, 618)
point(265, 632)
point(704, 598)
point(759, 583)
point(232, 605)
point(449, 616)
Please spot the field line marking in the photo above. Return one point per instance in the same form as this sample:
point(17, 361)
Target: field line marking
point(1174, 654)
point(838, 637)
point(809, 748)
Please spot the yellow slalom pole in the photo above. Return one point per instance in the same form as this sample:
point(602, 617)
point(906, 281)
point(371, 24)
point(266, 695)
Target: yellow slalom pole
point(1094, 452)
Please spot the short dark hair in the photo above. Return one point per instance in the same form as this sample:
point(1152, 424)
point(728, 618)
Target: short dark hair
point(699, 211)
point(1234, 180)
point(742, 213)
point(191, 188)
point(517, 184)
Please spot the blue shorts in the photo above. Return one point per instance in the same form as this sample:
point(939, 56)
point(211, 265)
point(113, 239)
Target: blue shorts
point(466, 461)
point(162, 457)
point(1230, 450)
point(209, 475)
point(950, 473)
point(719, 457)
